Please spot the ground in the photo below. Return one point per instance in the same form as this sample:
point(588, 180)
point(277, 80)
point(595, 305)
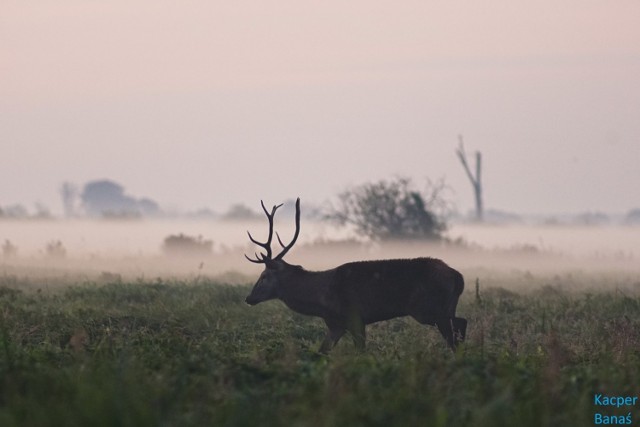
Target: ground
point(540, 350)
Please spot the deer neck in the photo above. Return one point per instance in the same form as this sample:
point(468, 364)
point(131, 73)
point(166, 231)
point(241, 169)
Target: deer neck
point(307, 292)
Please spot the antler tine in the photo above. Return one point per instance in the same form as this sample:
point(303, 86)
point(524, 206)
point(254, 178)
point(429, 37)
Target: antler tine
point(295, 235)
point(273, 209)
point(257, 261)
point(252, 239)
point(265, 209)
point(266, 245)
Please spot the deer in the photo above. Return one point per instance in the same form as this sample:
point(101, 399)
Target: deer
point(355, 294)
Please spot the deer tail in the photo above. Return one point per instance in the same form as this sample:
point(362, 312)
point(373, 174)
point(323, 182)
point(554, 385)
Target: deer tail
point(458, 283)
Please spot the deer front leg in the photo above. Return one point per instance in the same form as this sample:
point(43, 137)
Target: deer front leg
point(355, 326)
point(335, 332)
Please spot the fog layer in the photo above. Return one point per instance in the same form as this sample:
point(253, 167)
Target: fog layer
point(134, 249)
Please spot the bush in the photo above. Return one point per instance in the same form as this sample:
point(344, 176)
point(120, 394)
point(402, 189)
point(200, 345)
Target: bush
point(393, 209)
point(183, 245)
point(9, 250)
point(55, 249)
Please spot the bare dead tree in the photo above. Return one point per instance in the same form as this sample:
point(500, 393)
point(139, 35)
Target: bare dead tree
point(476, 181)
point(69, 194)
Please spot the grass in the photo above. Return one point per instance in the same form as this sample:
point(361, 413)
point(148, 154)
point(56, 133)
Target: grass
point(182, 354)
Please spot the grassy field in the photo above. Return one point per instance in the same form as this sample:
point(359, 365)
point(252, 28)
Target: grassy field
point(178, 353)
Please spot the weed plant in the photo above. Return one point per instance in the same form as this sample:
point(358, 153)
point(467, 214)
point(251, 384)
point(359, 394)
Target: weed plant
point(182, 354)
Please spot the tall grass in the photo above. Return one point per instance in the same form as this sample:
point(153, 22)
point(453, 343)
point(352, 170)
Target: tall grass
point(180, 354)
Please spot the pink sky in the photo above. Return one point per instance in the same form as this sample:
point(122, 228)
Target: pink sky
point(198, 103)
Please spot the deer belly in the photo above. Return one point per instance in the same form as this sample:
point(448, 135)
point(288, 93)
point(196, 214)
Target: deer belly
point(376, 303)
point(377, 312)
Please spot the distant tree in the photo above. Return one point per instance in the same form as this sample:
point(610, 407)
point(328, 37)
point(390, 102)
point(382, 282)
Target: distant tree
point(240, 212)
point(633, 216)
point(393, 209)
point(148, 207)
point(497, 216)
point(106, 198)
point(592, 218)
point(476, 179)
point(42, 211)
point(202, 213)
point(16, 211)
point(69, 195)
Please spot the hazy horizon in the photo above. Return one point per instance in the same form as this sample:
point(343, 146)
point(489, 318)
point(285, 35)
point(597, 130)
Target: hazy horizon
point(198, 104)
point(104, 250)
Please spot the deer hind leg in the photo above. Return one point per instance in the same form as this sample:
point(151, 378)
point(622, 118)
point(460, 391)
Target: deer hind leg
point(453, 329)
point(459, 328)
point(445, 326)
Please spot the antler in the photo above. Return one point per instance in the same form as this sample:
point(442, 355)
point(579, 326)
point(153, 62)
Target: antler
point(295, 235)
point(264, 257)
point(266, 245)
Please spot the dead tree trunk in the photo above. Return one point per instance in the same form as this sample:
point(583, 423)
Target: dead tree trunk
point(476, 182)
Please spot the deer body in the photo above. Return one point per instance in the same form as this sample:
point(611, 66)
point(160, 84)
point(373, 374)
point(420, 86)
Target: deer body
point(355, 294)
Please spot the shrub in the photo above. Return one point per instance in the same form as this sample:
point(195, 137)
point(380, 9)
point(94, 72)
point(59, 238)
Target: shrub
point(183, 245)
point(393, 209)
point(9, 250)
point(55, 249)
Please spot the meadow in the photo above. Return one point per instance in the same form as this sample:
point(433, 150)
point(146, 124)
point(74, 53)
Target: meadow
point(541, 350)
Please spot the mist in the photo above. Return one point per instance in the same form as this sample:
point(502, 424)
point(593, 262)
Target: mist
point(133, 249)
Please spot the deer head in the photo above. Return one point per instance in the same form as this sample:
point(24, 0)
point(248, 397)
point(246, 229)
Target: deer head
point(266, 287)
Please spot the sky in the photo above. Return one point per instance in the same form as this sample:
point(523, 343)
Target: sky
point(208, 103)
